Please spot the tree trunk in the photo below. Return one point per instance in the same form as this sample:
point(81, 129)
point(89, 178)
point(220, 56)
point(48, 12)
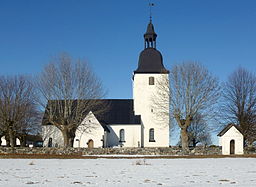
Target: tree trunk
point(194, 142)
point(68, 140)
point(11, 138)
point(23, 140)
point(7, 141)
point(65, 137)
point(184, 138)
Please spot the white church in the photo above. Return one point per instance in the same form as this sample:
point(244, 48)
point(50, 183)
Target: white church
point(133, 122)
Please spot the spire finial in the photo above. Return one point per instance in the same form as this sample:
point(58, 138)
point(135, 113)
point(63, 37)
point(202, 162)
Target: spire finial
point(150, 10)
point(150, 35)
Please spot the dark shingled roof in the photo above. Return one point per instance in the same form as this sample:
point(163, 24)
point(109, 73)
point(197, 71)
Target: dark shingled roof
point(119, 111)
point(151, 61)
point(30, 137)
point(150, 33)
point(228, 127)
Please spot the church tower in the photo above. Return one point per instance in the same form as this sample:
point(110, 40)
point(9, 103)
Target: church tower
point(151, 93)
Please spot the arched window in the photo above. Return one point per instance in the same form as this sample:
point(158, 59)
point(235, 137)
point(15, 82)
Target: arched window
point(151, 81)
point(151, 135)
point(121, 135)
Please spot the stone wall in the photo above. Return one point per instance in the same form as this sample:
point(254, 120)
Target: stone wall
point(171, 151)
point(250, 150)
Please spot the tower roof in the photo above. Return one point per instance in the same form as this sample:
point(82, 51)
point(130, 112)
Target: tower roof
point(150, 33)
point(150, 60)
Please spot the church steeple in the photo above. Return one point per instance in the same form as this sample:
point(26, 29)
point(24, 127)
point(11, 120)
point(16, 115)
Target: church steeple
point(149, 74)
point(150, 60)
point(150, 36)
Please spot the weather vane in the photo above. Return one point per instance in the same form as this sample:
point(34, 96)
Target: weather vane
point(150, 9)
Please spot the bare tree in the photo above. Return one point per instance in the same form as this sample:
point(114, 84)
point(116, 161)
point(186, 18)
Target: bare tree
point(199, 132)
point(193, 90)
point(240, 102)
point(16, 106)
point(69, 90)
point(30, 125)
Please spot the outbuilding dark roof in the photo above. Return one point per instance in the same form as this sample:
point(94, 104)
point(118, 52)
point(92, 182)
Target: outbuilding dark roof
point(34, 138)
point(228, 127)
point(119, 111)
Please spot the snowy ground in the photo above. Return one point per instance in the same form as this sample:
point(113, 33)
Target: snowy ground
point(129, 172)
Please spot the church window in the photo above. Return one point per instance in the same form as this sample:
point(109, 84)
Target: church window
point(50, 142)
point(151, 135)
point(151, 81)
point(121, 135)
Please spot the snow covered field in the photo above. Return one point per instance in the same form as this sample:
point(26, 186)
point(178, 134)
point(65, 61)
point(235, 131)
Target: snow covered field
point(129, 172)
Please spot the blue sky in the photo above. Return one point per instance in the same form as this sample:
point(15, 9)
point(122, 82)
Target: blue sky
point(221, 34)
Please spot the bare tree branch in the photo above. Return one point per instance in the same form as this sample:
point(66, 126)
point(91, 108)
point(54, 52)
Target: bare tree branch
point(18, 112)
point(193, 91)
point(198, 132)
point(69, 90)
point(240, 102)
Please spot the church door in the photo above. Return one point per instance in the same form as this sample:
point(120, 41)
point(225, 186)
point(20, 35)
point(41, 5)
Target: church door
point(232, 147)
point(90, 143)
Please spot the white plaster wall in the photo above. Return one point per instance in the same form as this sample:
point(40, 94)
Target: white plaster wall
point(4, 141)
point(148, 97)
point(132, 135)
point(232, 134)
point(51, 131)
point(90, 128)
point(17, 141)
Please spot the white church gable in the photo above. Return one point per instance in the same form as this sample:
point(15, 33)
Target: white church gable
point(90, 131)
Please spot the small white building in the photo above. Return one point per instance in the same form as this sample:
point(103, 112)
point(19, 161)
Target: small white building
point(4, 142)
point(232, 140)
point(136, 122)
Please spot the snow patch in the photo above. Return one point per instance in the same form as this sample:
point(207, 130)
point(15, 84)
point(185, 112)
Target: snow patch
point(215, 172)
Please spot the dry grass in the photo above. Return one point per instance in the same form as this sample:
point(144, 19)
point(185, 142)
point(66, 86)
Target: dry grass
point(141, 162)
point(52, 156)
point(31, 163)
